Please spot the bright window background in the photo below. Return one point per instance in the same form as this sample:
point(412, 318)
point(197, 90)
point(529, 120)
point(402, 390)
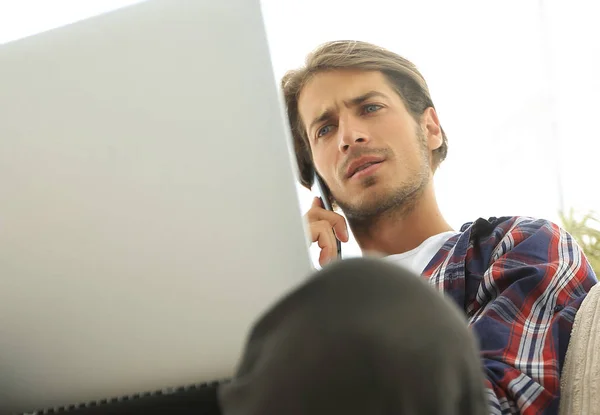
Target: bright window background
point(516, 84)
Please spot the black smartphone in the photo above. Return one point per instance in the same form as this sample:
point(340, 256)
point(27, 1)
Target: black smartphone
point(320, 185)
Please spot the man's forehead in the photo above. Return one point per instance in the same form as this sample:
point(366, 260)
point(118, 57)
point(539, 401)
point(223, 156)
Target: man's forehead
point(328, 90)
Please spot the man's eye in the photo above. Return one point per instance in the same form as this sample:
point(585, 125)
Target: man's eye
point(324, 130)
point(371, 108)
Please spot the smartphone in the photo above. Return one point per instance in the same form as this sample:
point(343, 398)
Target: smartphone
point(320, 185)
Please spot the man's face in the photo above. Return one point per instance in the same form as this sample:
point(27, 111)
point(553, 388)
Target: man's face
point(370, 151)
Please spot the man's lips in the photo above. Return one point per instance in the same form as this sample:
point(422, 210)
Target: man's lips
point(369, 169)
point(361, 164)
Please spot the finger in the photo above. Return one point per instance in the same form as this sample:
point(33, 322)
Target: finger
point(329, 250)
point(340, 227)
point(325, 257)
point(323, 235)
point(336, 221)
point(317, 202)
point(326, 237)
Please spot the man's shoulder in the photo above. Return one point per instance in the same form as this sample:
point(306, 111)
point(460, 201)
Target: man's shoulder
point(489, 239)
point(485, 240)
point(519, 227)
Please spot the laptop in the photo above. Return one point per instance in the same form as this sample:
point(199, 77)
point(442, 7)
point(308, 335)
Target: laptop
point(148, 204)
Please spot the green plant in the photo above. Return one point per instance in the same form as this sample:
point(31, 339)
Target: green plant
point(586, 231)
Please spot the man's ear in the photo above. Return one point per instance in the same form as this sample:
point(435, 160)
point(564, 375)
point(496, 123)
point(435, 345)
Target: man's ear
point(432, 129)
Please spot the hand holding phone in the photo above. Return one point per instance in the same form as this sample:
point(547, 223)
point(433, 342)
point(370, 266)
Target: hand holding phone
point(327, 228)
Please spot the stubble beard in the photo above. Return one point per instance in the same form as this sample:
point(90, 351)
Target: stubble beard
point(398, 201)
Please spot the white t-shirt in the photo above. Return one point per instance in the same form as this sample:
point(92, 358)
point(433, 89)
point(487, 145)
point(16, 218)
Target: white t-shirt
point(417, 259)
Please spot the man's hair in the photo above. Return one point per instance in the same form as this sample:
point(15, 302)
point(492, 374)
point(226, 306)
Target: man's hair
point(346, 54)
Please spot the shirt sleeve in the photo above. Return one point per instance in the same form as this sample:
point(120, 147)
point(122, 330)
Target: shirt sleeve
point(534, 280)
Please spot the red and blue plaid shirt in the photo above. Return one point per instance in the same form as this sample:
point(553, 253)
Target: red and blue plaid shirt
point(520, 282)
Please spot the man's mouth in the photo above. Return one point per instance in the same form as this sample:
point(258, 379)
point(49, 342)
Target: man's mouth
point(362, 164)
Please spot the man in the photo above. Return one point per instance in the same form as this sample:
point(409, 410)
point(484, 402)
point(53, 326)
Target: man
point(368, 335)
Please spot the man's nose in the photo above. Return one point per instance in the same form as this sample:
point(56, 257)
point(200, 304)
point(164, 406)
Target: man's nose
point(350, 132)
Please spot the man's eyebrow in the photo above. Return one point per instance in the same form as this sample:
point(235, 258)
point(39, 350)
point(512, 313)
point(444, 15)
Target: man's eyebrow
point(323, 117)
point(348, 103)
point(360, 99)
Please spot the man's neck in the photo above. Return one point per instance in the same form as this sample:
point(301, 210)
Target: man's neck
point(399, 232)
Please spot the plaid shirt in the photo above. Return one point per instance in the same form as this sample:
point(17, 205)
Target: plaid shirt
point(520, 282)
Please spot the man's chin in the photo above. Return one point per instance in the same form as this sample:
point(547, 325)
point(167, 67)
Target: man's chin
point(370, 204)
point(374, 201)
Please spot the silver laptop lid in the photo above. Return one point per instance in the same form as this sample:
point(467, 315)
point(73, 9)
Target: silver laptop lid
point(148, 209)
